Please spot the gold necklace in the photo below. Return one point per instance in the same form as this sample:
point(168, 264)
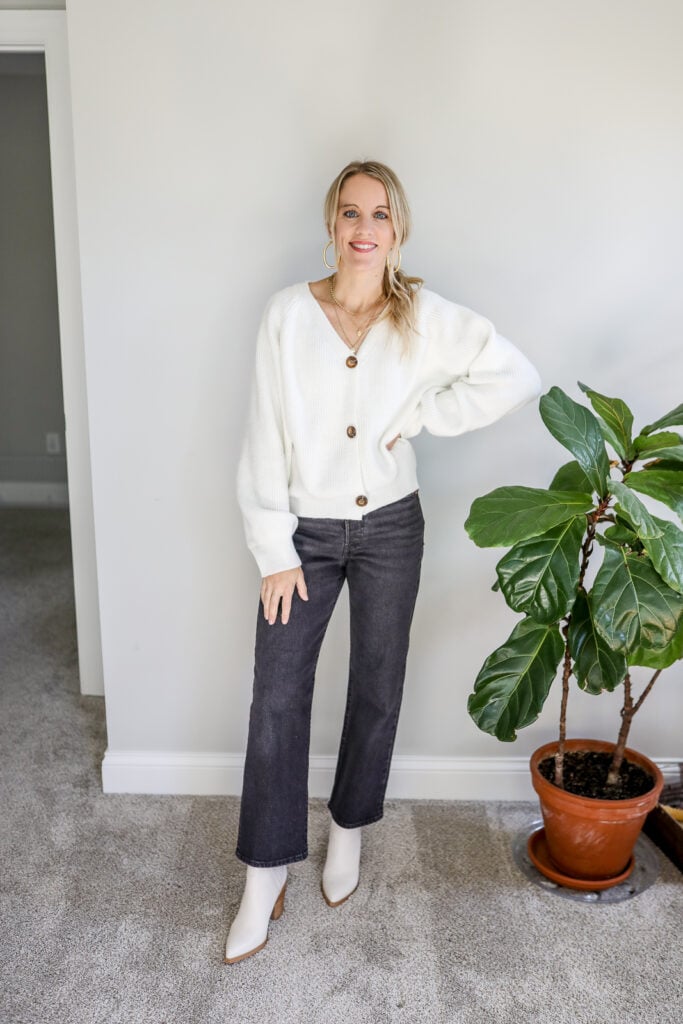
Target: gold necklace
point(359, 339)
point(363, 329)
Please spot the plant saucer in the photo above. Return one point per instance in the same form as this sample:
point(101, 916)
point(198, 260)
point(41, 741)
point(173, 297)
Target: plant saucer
point(539, 854)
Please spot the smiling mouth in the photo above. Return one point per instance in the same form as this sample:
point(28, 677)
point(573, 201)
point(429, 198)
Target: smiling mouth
point(363, 246)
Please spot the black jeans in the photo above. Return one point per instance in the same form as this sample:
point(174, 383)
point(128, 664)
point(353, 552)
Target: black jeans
point(380, 557)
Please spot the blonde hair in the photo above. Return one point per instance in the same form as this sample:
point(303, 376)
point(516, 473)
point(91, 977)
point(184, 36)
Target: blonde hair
point(399, 288)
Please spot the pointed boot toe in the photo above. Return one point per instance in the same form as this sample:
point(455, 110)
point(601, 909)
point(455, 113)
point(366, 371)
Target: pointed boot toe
point(337, 891)
point(249, 932)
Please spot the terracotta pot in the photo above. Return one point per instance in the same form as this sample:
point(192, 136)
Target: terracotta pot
point(589, 838)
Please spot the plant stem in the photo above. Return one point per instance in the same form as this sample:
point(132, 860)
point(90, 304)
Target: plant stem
point(646, 691)
point(562, 739)
point(586, 549)
point(627, 712)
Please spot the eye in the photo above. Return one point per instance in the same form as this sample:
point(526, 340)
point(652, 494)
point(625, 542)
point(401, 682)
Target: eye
point(381, 215)
point(349, 214)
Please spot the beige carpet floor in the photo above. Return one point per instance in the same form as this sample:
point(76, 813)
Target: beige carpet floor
point(115, 908)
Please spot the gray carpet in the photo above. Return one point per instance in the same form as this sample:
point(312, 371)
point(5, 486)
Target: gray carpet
point(115, 908)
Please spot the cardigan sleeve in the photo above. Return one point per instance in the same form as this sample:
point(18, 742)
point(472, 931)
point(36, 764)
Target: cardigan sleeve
point(265, 460)
point(484, 377)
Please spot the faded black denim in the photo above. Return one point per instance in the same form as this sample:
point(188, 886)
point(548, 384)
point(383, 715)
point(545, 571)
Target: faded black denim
point(379, 556)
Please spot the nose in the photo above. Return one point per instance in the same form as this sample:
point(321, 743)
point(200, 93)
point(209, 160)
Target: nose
point(365, 223)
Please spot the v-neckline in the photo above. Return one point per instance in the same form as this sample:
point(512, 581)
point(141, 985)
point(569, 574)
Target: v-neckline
point(351, 351)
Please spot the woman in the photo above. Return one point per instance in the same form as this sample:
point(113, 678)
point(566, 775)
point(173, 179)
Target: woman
point(347, 369)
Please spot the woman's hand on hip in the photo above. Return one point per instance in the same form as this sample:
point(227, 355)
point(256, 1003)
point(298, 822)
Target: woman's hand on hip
point(278, 587)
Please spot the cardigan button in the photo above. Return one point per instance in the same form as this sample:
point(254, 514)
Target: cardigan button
point(350, 431)
point(361, 500)
point(351, 362)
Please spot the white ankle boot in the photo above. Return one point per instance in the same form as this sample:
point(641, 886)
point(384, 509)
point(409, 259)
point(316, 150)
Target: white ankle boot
point(263, 900)
point(342, 867)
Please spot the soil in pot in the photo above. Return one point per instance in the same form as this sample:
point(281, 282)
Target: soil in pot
point(585, 774)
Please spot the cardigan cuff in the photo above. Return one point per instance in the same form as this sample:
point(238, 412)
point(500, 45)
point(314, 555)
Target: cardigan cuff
point(275, 557)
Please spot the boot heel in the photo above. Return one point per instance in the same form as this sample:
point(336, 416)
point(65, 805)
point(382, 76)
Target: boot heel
point(279, 905)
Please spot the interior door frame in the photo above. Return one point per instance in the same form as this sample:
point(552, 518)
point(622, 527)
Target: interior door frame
point(45, 31)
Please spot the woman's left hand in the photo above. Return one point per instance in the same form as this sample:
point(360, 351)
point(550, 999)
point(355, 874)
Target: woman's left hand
point(391, 444)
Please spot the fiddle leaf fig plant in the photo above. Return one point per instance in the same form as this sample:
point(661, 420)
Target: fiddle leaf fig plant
point(632, 615)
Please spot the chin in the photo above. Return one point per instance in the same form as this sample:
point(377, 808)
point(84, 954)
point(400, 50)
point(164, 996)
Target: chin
point(363, 263)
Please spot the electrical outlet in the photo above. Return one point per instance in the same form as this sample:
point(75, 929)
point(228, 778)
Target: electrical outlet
point(52, 444)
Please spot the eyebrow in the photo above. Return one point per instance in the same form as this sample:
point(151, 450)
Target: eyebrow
point(380, 206)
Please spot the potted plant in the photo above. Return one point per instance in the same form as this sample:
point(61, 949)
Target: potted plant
point(631, 614)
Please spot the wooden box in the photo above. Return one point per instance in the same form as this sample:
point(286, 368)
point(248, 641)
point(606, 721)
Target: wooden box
point(663, 828)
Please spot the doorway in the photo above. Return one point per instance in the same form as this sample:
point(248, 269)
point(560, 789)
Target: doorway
point(44, 447)
point(32, 460)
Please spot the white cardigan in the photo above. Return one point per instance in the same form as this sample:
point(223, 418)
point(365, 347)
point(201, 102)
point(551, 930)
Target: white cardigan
point(317, 432)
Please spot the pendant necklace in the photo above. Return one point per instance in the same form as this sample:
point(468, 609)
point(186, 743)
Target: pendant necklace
point(364, 328)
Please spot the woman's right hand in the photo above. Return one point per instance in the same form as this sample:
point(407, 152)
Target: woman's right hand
point(278, 587)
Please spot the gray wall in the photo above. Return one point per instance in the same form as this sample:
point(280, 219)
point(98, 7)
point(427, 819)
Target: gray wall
point(31, 403)
point(540, 144)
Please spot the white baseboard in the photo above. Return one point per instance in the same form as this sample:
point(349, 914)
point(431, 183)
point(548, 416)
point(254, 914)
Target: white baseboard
point(18, 494)
point(414, 778)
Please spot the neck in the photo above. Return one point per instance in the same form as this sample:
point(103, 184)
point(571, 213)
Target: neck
point(358, 291)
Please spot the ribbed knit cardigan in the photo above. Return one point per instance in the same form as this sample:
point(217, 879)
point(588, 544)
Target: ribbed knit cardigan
point(318, 426)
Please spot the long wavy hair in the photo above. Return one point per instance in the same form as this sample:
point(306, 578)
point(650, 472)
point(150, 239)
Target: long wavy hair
point(399, 288)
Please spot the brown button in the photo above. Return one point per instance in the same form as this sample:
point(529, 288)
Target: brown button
point(361, 500)
point(351, 362)
point(350, 431)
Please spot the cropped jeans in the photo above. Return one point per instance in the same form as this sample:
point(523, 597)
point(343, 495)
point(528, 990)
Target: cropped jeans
point(379, 556)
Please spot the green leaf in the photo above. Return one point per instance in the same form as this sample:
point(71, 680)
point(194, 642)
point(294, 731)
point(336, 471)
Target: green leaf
point(539, 576)
point(577, 429)
point(667, 445)
point(621, 534)
point(515, 679)
point(666, 485)
point(605, 541)
point(613, 439)
point(666, 553)
point(662, 658)
point(616, 420)
point(662, 540)
point(596, 666)
point(671, 419)
point(632, 606)
point(673, 456)
point(571, 477)
point(510, 514)
point(634, 512)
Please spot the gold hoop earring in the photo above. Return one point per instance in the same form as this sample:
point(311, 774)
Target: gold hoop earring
point(330, 266)
point(395, 270)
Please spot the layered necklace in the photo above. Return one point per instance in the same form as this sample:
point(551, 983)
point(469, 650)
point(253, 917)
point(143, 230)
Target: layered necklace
point(362, 330)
